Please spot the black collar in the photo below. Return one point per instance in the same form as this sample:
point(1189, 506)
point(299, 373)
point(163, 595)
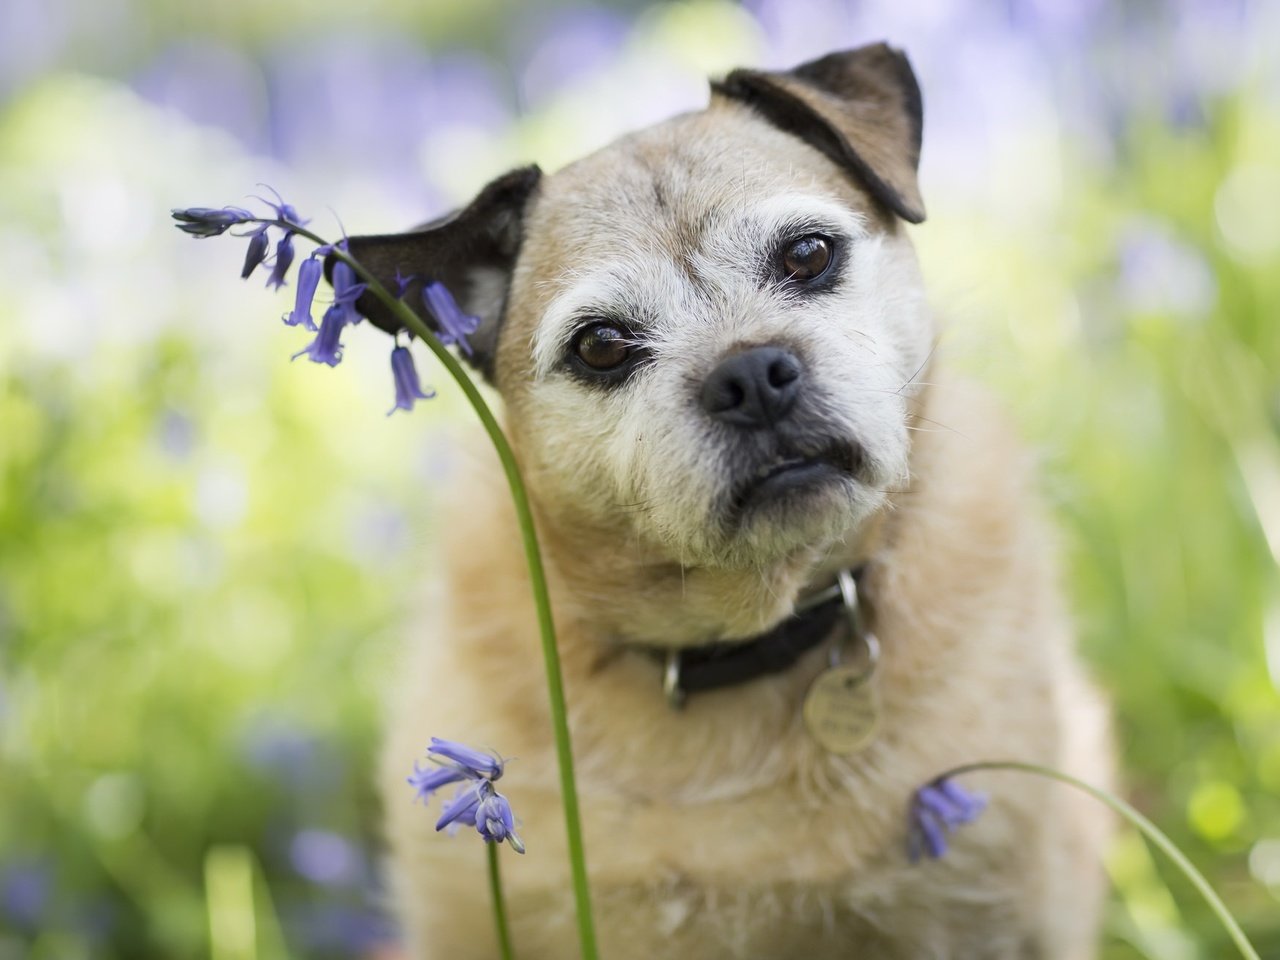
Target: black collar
point(727, 663)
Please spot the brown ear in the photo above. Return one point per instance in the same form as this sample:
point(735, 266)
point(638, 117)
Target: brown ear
point(471, 251)
point(860, 107)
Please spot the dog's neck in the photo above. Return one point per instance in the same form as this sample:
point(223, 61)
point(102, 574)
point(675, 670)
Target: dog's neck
point(622, 594)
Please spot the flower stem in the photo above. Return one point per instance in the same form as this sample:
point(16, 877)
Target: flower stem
point(499, 903)
point(1148, 829)
point(537, 583)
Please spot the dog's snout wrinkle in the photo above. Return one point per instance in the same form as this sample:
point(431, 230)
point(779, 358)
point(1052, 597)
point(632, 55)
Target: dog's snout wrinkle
point(754, 388)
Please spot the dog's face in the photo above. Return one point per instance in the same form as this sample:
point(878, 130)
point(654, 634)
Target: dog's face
point(707, 334)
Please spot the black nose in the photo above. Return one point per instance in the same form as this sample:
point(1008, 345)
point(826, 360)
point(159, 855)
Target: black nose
point(754, 388)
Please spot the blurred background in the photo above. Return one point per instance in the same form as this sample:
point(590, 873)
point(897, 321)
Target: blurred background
point(207, 553)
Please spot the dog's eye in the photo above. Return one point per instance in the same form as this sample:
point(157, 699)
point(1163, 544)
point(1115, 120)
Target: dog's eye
point(806, 258)
point(602, 346)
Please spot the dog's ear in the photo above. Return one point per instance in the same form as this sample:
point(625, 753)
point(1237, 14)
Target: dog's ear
point(860, 107)
point(471, 251)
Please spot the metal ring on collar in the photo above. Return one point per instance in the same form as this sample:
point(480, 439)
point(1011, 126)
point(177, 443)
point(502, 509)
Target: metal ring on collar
point(671, 679)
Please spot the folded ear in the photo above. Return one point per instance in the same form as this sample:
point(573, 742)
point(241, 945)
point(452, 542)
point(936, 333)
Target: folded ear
point(471, 251)
point(860, 107)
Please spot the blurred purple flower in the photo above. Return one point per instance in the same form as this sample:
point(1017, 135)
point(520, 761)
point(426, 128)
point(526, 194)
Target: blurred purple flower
point(175, 432)
point(408, 387)
point(331, 927)
point(284, 750)
point(363, 104)
point(309, 274)
point(324, 857)
point(1160, 274)
point(327, 346)
point(453, 325)
point(26, 888)
point(938, 808)
point(211, 83)
point(568, 47)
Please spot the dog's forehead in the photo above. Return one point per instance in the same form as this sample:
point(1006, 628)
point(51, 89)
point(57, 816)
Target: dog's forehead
point(659, 191)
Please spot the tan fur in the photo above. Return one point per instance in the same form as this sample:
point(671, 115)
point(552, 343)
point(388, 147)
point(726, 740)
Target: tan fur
point(722, 830)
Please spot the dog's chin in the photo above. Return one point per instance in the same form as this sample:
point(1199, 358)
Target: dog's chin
point(790, 503)
point(786, 483)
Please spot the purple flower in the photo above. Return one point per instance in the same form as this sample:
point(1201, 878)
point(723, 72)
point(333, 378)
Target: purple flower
point(210, 222)
point(26, 888)
point(284, 260)
point(257, 252)
point(452, 324)
point(408, 388)
point(428, 781)
point(495, 821)
point(476, 803)
point(476, 763)
point(346, 291)
point(402, 283)
point(308, 279)
point(284, 211)
point(462, 808)
point(326, 347)
point(937, 809)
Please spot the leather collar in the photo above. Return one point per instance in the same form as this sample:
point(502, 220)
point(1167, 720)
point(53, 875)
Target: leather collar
point(727, 663)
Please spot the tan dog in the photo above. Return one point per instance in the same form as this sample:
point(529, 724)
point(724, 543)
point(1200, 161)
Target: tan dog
point(711, 338)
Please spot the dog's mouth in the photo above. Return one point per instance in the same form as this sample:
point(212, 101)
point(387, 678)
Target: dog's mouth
point(787, 475)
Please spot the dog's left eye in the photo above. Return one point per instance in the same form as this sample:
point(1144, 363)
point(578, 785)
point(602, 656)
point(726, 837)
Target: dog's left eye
point(602, 346)
point(806, 258)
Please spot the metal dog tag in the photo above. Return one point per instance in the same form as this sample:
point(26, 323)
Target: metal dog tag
point(842, 709)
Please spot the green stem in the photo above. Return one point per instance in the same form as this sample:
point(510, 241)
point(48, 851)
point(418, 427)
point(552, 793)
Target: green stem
point(537, 582)
point(499, 903)
point(1145, 826)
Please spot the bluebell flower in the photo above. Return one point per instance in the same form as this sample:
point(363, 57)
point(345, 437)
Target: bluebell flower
point(284, 260)
point(208, 221)
point(284, 211)
point(462, 808)
point(346, 291)
point(327, 346)
point(478, 764)
point(324, 857)
point(495, 821)
point(428, 781)
point(453, 325)
point(402, 283)
point(26, 888)
point(938, 808)
point(257, 252)
point(408, 388)
point(308, 279)
point(476, 803)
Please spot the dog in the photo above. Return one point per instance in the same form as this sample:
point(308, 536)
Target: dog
point(716, 361)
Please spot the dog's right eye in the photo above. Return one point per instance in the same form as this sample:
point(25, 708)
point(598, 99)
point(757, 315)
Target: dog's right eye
point(602, 346)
